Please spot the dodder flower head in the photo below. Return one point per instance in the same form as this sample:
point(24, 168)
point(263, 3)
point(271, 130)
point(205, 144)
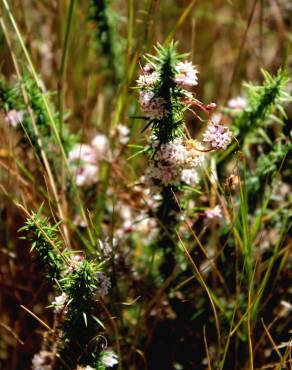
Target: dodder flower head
point(215, 212)
point(109, 358)
point(59, 302)
point(147, 80)
point(83, 161)
point(153, 107)
point(43, 361)
point(218, 135)
point(173, 163)
point(14, 117)
point(186, 74)
point(100, 144)
point(238, 103)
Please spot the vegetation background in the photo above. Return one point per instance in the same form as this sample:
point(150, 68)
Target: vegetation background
point(91, 68)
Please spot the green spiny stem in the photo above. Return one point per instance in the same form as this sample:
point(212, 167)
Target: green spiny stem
point(80, 328)
point(262, 102)
point(167, 214)
point(101, 15)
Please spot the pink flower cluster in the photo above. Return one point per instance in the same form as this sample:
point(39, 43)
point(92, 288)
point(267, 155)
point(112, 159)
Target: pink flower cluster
point(186, 74)
point(83, 160)
point(60, 302)
point(215, 212)
point(75, 262)
point(218, 135)
point(14, 117)
point(239, 103)
point(172, 164)
point(147, 79)
point(153, 107)
point(43, 360)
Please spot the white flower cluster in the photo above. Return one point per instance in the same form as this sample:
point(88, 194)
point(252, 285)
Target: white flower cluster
point(173, 163)
point(147, 79)
point(239, 103)
point(109, 358)
point(42, 361)
point(154, 106)
point(137, 222)
point(84, 159)
point(218, 135)
point(123, 133)
point(186, 74)
point(60, 302)
point(215, 212)
point(14, 117)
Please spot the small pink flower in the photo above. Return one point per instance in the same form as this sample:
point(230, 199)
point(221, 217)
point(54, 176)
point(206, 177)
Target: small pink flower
point(83, 161)
point(148, 68)
point(153, 107)
point(186, 74)
point(238, 103)
point(14, 117)
point(218, 135)
point(211, 106)
point(100, 144)
point(75, 261)
point(78, 258)
point(83, 153)
point(213, 212)
point(147, 79)
point(123, 133)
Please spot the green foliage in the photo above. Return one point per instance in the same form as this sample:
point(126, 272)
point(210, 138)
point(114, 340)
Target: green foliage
point(263, 102)
point(49, 254)
point(267, 165)
point(105, 24)
point(11, 96)
point(80, 327)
